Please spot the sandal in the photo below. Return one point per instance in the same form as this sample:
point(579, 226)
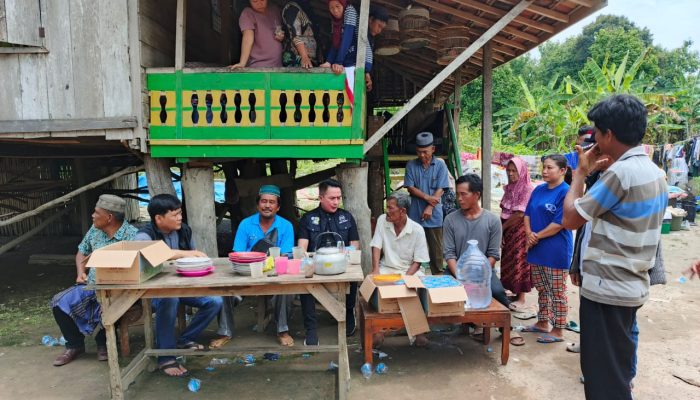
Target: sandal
point(547, 339)
point(516, 308)
point(525, 315)
point(191, 346)
point(573, 348)
point(173, 365)
point(573, 327)
point(219, 342)
point(517, 340)
point(534, 329)
point(285, 339)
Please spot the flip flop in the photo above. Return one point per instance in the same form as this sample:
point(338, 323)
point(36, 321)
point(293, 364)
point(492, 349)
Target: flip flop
point(219, 342)
point(573, 327)
point(546, 339)
point(524, 315)
point(191, 346)
point(516, 308)
point(517, 340)
point(173, 364)
point(573, 348)
point(533, 329)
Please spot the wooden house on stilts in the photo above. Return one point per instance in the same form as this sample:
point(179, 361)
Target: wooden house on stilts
point(94, 91)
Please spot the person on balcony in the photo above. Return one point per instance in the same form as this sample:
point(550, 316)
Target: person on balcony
point(262, 31)
point(75, 309)
point(300, 45)
point(343, 52)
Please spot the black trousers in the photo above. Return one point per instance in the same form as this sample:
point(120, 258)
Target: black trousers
point(74, 338)
point(308, 309)
point(607, 350)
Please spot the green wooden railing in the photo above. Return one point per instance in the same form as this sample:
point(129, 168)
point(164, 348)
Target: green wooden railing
point(276, 113)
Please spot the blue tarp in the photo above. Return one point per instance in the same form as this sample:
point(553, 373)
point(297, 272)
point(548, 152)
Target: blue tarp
point(218, 189)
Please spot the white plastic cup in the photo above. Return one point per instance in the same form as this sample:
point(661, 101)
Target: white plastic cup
point(355, 256)
point(275, 252)
point(256, 270)
point(297, 252)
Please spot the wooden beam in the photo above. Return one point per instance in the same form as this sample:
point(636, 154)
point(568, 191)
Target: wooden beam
point(470, 17)
point(555, 15)
point(585, 3)
point(137, 75)
point(486, 126)
point(66, 125)
point(23, 50)
point(499, 13)
point(447, 71)
point(66, 197)
point(180, 36)
point(362, 41)
point(29, 234)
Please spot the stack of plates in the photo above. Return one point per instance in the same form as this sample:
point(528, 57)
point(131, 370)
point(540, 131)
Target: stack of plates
point(240, 261)
point(194, 266)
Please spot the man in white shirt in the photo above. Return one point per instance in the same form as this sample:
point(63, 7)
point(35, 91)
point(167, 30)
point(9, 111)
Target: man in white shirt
point(400, 239)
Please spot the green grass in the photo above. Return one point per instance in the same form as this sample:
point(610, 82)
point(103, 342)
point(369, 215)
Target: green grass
point(22, 320)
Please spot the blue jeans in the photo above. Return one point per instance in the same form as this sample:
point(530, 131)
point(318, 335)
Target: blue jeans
point(635, 339)
point(166, 314)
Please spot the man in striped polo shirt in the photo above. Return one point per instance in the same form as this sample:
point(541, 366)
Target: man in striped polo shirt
point(626, 208)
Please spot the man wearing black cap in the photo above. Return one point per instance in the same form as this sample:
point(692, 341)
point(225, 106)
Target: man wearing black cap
point(426, 179)
point(76, 310)
point(585, 135)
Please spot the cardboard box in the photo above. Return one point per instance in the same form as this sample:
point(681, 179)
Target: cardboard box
point(387, 297)
point(129, 262)
point(446, 298)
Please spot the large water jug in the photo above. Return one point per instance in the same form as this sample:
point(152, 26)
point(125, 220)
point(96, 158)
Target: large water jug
point(474, 272)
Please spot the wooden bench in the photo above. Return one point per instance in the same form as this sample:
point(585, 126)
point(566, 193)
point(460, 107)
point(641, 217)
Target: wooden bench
point(495, 316)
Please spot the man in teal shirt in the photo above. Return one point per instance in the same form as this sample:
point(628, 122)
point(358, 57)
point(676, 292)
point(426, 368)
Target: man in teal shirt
point(426, 179)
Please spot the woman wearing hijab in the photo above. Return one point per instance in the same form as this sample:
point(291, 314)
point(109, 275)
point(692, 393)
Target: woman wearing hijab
point(344, 32)
point(300, 48)
point(515, 271)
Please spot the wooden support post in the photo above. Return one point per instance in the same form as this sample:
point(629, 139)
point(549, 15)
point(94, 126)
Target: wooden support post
point(486, 125)
point(158, 175)
point(136, 74)
point(446, 72)
point(353, 177)
point(455, 118)
point(180, 29)
point(84, 210)
point(198, 190)
point(362, 41)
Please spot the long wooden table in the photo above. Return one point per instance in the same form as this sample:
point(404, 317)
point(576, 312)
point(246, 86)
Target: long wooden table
point(494, 316)
point(329, 290)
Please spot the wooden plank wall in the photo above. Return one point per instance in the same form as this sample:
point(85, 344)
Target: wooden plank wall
point(21, 22)
point(85, 73)
point(204, 45)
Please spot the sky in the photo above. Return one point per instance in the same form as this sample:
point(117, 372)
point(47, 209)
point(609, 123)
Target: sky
point(670, 21)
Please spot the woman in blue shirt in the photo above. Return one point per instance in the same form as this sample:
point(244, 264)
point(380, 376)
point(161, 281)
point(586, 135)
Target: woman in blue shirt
point(549, 248)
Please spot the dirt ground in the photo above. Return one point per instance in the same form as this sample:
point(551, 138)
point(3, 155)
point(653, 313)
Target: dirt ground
point(453, 364)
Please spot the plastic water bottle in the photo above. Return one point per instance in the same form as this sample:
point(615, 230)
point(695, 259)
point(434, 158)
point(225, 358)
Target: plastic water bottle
point(48, 340)
point(194, 385)
point(474, 272)
point(62, 341)
point(366, 370)
point(381, 369)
